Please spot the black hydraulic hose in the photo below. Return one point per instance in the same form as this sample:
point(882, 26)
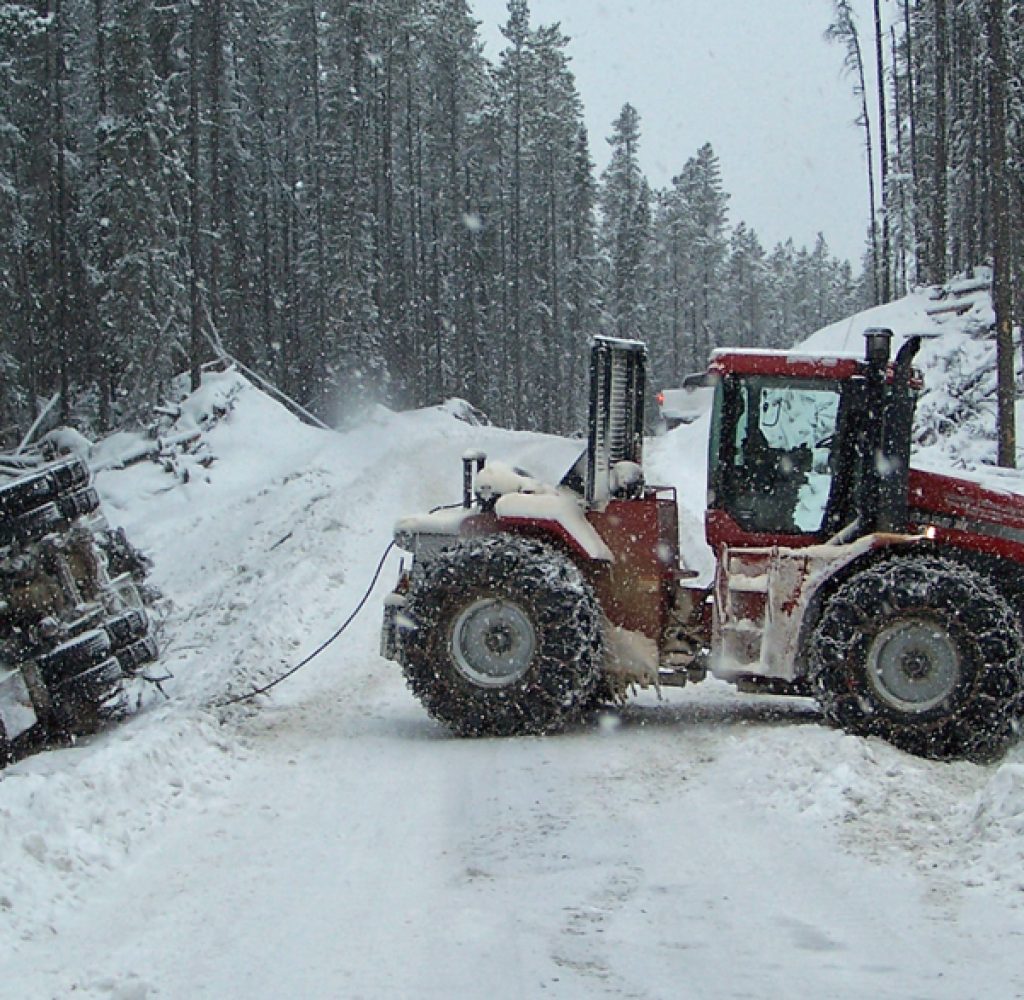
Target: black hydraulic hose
point(341, 628)
point(316, 652)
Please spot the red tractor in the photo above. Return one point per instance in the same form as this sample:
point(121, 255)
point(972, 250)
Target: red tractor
point(887, 593)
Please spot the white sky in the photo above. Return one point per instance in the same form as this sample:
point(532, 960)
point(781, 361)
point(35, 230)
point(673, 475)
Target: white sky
point(754, 78)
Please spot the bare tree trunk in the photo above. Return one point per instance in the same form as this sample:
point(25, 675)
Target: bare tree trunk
point(914, 170)
point(556, 376)
point(417, 368)
point(216, 112)
point(905, 223)
point(265, 205)
point(515, 237)
point(194, 321)
point(104, 374)
point(998, 73)
point(60, 278)
point(872, 200)
point(845, 30)
point(885, 264)
point(319, 352)
point(939, 235)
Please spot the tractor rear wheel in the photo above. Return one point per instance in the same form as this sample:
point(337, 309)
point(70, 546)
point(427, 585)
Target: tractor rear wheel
point(504, 638)
point(924, 652)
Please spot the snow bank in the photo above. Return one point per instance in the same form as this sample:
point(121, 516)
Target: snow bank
point(679, 458)
point(71, 817)
point(955, 425)
point(262, 542)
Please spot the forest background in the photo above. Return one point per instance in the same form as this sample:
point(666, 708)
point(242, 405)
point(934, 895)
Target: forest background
point(351, 200)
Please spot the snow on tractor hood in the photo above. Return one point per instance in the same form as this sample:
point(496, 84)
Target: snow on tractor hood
point(496, 479)
point(437, 522)
point(516, 497)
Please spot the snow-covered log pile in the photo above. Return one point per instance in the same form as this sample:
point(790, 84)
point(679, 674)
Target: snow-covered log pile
point(176, 440)
point(74, 632)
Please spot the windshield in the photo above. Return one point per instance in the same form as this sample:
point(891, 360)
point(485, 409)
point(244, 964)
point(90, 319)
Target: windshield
point(776, 472)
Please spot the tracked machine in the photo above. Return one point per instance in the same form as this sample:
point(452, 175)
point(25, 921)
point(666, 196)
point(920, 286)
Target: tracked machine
point(73, 626)
point(889, 594)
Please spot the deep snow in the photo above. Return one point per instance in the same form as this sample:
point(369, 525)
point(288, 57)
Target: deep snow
point(332, 841)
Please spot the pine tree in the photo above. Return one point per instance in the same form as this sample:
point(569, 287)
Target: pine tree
point(708, 204)
point(23, 181)
point(134, 254)
point(1002, 252)
point(348, 199)
point(746, 281)
point(625, 212)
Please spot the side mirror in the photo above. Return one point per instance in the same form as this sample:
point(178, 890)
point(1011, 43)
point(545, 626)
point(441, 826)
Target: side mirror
point(701, 380)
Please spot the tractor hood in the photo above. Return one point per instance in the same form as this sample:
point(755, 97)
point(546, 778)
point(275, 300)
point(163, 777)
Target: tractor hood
point(976, 516)
point(506, 498)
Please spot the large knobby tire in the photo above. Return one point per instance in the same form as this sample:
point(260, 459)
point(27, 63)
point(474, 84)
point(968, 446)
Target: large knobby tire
point(503, 638)
point(71, 657)
point(137, 655)
point(923, 652)
point(126, 627)
point(32, 525)
point(92, 699)
point(36, 488)
point(79, 503)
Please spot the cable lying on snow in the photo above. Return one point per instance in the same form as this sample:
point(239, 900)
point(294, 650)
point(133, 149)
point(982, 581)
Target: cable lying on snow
point(327, 642)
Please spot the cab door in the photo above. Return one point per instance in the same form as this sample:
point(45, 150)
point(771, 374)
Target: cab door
point(772, 487)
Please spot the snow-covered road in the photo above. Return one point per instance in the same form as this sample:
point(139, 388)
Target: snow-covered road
point(334, 842)
point(360, 852)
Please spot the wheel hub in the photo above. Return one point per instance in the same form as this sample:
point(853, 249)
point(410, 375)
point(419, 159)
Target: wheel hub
point(499, 640)
point(493, 642)
point(913, 665)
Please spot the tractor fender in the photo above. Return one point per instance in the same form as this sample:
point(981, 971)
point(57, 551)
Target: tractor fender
point(553, 514)
point(871, 550)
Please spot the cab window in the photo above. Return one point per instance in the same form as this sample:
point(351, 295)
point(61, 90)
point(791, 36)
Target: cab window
point(777, 473)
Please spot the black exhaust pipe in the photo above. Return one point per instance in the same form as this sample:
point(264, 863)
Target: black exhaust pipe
point(885, 445)
point(877, 347)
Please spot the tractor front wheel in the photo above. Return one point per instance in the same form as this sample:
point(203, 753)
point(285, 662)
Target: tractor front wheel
point(503, 637)
point(924, 652)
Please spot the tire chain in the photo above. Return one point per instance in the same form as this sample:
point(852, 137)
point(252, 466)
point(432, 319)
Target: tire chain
point(981, 726)
point(550, 589)
point(38, 488)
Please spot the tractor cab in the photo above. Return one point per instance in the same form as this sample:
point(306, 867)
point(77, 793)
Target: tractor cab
point(803, 449)
point(808, 468)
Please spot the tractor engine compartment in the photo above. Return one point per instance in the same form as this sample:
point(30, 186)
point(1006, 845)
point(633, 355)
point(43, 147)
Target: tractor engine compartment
point(629, 548)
